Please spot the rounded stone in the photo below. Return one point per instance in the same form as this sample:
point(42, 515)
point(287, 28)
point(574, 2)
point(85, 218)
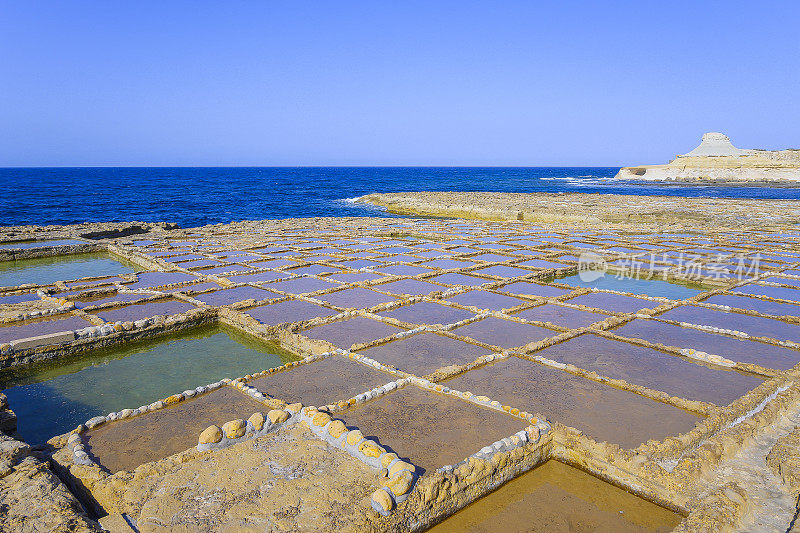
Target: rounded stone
point(234, 429)
point(370, 449)
point(387, 458)
point(294, 407)
point(382, 500)
point(95, 421)
point(257, 421)
point(320, 419)
point(276, 416)
point(354, 437)
point(336, 429)
point(175, 398)
point(400, 465)
point(210, 435)
point(401, 483)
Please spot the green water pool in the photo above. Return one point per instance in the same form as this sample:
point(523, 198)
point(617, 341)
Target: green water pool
point(53, 398)
point(45, 270)
point(23, 245)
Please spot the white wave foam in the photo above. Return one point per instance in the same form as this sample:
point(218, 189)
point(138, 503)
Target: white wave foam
point(352, 202)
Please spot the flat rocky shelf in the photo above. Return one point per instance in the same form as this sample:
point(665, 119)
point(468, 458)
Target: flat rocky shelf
point(516, 366)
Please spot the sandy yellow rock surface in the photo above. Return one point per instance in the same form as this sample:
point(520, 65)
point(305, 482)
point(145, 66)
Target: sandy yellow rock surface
point(288, 480)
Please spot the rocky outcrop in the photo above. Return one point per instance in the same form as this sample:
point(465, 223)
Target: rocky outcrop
point(8, 420)
point(32, 498)
point(716, 160)
point(86, 230)
point(637, 213)
point(784, 460)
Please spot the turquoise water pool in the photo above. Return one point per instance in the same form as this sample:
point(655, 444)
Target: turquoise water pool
point(650, 287)
point(52, 399)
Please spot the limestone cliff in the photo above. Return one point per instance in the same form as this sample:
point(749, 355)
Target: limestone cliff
point(716, 160)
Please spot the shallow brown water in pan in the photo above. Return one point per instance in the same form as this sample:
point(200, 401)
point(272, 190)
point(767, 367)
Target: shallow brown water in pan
point(430, 429)
point(555, 497)
point(657, 370)
point(423, 353)
point(601, 411)
point(322, 382)
point(128, 443)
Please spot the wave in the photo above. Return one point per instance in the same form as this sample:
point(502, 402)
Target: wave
point(351, 203)
point(582, 179)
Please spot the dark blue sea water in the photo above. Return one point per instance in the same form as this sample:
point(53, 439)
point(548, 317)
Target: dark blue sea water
point(197, 196)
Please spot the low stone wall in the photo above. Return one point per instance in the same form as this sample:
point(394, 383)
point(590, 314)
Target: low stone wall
point(73, 343)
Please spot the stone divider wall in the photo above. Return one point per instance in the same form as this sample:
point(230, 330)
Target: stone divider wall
point(20, 254)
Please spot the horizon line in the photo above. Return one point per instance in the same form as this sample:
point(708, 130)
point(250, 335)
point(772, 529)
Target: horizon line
point(306, 166)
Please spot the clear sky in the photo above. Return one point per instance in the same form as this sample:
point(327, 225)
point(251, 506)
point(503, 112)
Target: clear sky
point(392, 83)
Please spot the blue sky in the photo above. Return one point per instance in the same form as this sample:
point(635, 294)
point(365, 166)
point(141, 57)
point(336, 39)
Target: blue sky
point(401, 83)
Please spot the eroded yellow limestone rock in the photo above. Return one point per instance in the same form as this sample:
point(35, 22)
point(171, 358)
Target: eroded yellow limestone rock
point(401, 483)
point(257, 420)
point(234, 429)
point(370, 449)
point(336, 429)
point(320, 419)
point(294, 407)
point(382, 498)
point(277, 416)
point(354, 437)
point(400, 465)
point(175, 398)
point(210, 435)
point(387, 459)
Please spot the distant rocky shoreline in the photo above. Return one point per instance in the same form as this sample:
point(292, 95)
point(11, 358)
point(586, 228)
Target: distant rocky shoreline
point(626, 212)
point(716, 161)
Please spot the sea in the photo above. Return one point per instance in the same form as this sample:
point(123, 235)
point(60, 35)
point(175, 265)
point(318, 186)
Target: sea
point(194, 197)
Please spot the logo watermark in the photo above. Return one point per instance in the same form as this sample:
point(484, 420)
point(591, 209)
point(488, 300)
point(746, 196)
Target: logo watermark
point(681, 265)
point(591, 266)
